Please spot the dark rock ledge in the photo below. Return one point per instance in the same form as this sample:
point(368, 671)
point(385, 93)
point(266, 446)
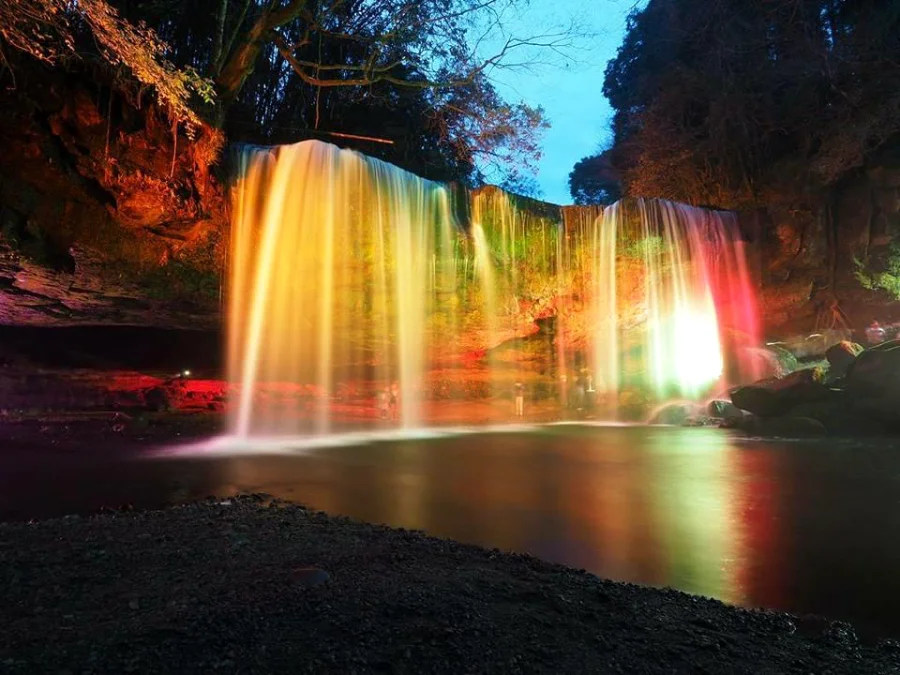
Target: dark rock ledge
point(254, 586)
point(854, 392)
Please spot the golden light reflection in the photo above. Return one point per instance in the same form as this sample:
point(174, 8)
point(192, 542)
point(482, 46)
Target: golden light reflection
point(659, 506)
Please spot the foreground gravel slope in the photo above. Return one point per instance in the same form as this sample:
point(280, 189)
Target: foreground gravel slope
point(227, 587)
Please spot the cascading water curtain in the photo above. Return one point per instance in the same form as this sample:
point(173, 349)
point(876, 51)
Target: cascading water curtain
point(332, 284)
point(670, 288)
point(349, 277)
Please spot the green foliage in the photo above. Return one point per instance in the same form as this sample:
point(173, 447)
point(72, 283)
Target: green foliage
point(52, 30)
point(887, 280)
point(787, 362)
point(643, 248)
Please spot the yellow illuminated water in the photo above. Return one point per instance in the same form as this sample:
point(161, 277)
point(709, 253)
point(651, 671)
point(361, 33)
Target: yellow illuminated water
point(335, 267)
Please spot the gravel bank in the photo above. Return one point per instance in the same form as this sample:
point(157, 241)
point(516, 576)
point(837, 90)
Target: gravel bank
point(232, 586)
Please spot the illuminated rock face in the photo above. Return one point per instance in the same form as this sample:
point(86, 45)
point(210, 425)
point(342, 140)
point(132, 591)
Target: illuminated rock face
point(344, 269)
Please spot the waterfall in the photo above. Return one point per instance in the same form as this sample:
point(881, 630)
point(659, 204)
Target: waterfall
point(352, 281)
point(336, 263)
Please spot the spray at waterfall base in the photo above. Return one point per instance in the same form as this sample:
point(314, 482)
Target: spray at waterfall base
point(350, 278)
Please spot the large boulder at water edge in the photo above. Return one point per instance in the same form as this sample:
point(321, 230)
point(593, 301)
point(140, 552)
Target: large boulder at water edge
point(872, 385)
point(777, 396)
point(838, 414)
point(876, 371)
point(841, 356)
point(723, 410)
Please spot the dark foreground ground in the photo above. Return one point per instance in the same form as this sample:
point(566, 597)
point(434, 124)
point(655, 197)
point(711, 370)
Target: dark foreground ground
point(237, 586)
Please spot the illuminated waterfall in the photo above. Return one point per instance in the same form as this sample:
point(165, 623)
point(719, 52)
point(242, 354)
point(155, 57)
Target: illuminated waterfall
point(337, 261)
point(349, 274)
point(685, 281)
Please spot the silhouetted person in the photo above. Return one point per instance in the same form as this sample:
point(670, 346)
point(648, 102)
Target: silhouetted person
point(579, 394)
point(384, 403)
point(66, 264)
point(394, 400)
point(520, 399)
point(564, 391)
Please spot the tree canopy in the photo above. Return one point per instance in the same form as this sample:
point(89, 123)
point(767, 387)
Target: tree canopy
point(48, 30)
point(594, 181)
point(737, 103)
point(413, 73)
point(411, 76)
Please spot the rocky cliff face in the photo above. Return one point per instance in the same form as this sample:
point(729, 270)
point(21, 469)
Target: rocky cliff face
point(809, 260)
point(107, 213)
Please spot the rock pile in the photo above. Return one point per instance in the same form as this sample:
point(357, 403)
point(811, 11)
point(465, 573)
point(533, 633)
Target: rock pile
point(857, 392)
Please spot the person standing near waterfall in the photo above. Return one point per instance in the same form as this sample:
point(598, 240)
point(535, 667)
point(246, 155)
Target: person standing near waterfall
point(394, 400)
point(564, 391)
point(520, 399)
point(383, 403)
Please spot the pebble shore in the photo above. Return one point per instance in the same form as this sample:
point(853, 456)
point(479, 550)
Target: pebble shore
point(253, 585)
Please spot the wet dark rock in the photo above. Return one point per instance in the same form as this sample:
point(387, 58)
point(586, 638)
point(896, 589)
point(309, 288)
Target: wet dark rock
point(841, 632)
point(862, 396)
point(776, 396)
point(841, 356)
point(876, 370)
point(157, 400)
point(786, 427)
point(723, 410)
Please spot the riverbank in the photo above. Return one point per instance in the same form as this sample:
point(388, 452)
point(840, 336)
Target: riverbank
point(253, 586)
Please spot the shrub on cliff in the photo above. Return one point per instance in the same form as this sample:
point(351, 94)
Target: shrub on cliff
point(885, 279)
point(49, 31)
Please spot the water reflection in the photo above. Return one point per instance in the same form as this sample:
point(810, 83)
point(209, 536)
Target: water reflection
point(802, 527)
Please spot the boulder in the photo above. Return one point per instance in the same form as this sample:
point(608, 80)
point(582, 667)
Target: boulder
point(157, 399)
point(777, 396)
point(879, 414)
point(876, 371)
point(838, 414)
point(723, 410)
point(841, 356)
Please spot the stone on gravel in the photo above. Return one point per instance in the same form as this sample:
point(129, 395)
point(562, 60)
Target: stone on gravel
point(310, 577)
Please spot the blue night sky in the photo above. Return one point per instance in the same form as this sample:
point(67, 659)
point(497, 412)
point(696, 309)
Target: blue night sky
point(570, 90)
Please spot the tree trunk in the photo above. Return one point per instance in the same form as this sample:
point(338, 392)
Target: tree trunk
point(242, 59)
point(218, 39)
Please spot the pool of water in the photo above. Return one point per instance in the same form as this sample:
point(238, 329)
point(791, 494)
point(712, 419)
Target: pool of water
point(808, 527)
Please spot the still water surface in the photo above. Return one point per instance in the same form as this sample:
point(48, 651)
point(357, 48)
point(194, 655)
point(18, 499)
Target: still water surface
point(808, 527)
